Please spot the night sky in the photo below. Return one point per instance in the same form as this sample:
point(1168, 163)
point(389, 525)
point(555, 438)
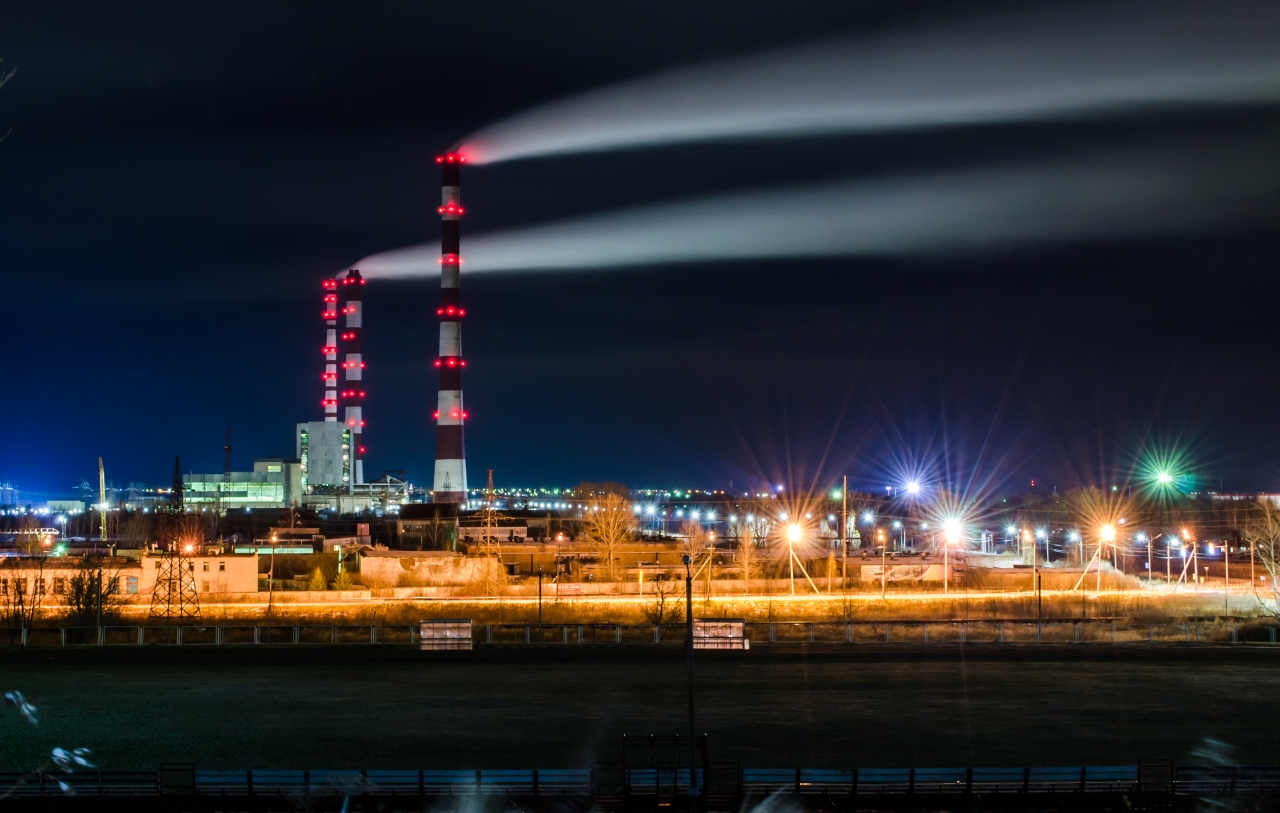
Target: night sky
point(179, 178)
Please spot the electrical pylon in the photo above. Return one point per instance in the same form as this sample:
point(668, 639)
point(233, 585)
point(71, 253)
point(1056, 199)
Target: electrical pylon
point(494, 577)
point(175, 594)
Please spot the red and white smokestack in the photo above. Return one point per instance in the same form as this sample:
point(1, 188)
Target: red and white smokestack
point(330, 375)
point(450, 484)
point(351, 396)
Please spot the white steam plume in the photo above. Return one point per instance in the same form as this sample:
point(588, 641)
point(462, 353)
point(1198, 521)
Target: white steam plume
point(1050, 62)
point(1152, 191)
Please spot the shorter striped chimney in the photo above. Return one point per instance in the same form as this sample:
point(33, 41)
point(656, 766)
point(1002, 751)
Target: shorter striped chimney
point(330, 350)
point(351, 393)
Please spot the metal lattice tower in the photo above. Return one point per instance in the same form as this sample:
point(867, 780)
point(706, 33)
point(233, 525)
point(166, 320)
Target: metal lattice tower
point(175, 496)
point(175, 594)
point(494, 577)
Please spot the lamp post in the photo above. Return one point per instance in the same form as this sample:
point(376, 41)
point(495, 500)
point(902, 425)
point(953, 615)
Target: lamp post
point(1106, 535)
point(950, 536)
point(688, 652)
point(794, 533)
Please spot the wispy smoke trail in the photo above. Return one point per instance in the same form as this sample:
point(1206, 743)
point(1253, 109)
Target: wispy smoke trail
point(1051, 62)
point(1156, 190)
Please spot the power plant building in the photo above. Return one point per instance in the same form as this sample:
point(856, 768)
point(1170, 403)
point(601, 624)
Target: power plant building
point(274, 483)
point(324, 453)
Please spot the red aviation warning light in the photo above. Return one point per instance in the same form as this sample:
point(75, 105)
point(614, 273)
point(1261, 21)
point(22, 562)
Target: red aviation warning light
point(451, 158)
point(451, 209)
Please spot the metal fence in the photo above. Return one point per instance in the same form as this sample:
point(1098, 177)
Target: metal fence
point(1081, 632)
point(1207, 781)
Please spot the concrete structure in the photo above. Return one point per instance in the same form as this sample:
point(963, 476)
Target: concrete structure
point(450, 481)
point(274, 483)
point(330, 375)
point(351, 394)
point(324, 454)
point(380, 568)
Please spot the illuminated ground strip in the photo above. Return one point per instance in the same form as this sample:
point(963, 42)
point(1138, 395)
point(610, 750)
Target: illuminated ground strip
point(450, 482)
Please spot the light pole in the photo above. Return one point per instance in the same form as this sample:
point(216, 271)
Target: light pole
point(1107, 535)
point(950, 536)
point(793, 536)
point(844, 532)
point(688, 652)
point(539, 596)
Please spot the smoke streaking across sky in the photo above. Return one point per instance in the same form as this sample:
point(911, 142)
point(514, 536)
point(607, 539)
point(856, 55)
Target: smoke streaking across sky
point(1047, 62)
point(1146, 190)
point(752, 241)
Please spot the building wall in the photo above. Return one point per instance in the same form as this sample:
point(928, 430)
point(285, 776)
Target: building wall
point(229, 573)
point(232, 573)
point(423, 569)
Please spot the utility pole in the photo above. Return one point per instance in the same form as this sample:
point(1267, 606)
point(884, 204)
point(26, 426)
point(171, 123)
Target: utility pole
point(688, 651)
point(1226, 591)
point(844, 532)
point(102, 501)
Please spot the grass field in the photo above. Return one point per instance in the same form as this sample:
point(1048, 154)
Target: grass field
point(404, 709)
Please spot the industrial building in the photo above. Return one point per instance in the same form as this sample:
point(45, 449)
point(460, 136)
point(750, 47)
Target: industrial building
point(275, 482)
point(323, 449)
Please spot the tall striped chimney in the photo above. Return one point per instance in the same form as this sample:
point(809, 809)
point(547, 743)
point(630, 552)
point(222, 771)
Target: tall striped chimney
point(351, 396)
point(330, 375)
point(450, 483)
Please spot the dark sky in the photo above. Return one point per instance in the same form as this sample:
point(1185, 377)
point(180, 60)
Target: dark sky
point(179, 177)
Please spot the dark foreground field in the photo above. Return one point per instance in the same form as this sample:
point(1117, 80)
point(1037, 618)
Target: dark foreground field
point(403, 709)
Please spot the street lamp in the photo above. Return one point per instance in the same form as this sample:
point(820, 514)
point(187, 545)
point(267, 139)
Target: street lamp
point(688, 652)
point(913, 487)
point(794, 534)
point(950, 536)
point(1106, 535)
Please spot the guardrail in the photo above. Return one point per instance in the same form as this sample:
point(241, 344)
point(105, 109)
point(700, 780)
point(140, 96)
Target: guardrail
point(1081, 632)
point(302, 786)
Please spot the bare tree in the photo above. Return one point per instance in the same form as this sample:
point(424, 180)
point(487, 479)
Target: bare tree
point(136, 528)
point(1262, 532)
point(607, 523)
point(91, 594)
point(699, 544)
point(748, 560)
point(22, 592)
point(665, 608)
